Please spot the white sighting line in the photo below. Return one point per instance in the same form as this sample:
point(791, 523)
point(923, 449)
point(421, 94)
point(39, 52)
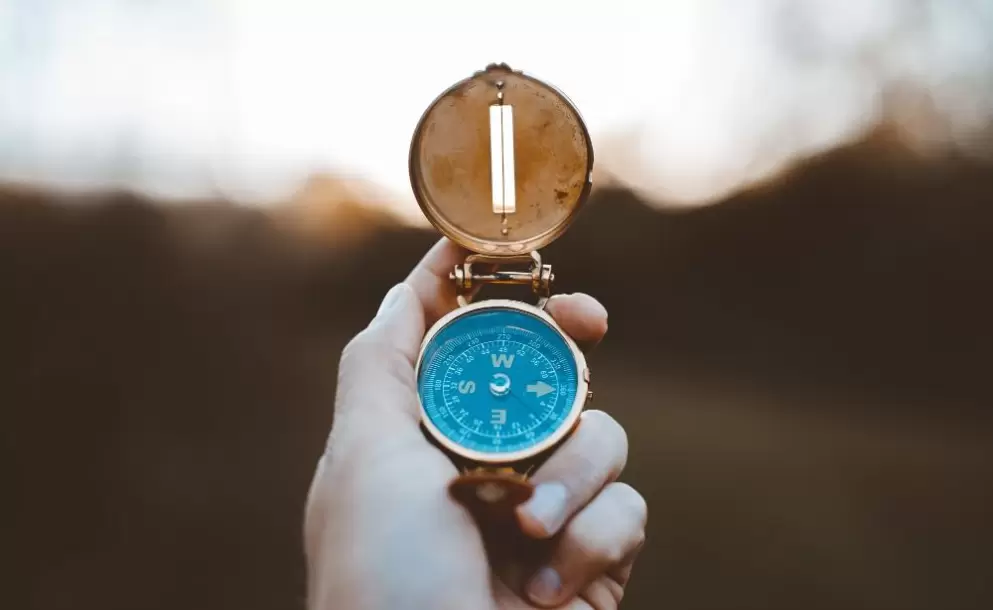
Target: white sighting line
point(502, 159)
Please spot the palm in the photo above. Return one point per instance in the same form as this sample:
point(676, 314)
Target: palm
point(458, 552)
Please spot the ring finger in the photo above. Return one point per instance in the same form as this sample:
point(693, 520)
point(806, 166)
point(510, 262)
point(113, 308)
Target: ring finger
point(604, 536)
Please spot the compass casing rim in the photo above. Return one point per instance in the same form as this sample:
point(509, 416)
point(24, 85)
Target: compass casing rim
point(568, 424)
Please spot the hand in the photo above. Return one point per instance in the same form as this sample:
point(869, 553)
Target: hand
point(381, 531)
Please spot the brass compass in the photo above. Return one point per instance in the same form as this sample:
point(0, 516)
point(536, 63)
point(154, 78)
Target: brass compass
point(500, 163)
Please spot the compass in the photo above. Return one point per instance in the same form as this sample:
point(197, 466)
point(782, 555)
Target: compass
point(500, 163)
point(499, 383)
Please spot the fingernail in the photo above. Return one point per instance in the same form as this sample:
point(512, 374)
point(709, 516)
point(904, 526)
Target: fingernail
point(391, 299)
point(545, 587)
point(547, 506)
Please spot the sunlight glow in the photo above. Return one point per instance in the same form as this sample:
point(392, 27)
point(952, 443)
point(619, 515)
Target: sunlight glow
point(686, 101)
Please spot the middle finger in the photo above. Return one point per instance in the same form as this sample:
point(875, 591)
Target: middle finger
point(592, 457)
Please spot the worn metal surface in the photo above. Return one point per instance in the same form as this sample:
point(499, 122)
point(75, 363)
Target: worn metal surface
point(450, 163)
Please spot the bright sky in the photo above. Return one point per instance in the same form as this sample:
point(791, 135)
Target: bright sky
point(179, 98)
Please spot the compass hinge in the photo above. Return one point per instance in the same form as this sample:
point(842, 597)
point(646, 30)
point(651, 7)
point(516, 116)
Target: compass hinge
point(539, 276)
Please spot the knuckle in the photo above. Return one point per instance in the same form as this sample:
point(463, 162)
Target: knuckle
point(373, 351)
point(632, 502)
point(612, 554)
point(610, 434)
point(607, 427)
point(593, 457)
point(396, 366)
point(598, 547)
point(615, 544)
point(639, 540)
point(373, 347)
point(597, 543)
point(357, 350)
point(586, 473)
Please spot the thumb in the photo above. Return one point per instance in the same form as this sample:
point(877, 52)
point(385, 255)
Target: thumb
point(376, 402)
point(376, 372)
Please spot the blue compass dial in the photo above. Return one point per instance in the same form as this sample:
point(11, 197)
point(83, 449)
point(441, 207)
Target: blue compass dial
point(497, 380)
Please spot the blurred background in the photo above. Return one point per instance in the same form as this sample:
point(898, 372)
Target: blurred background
point(792, 229)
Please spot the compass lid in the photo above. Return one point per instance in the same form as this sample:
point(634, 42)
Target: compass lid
point(501, 162)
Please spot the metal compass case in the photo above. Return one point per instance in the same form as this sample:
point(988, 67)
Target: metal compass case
point(500, 163)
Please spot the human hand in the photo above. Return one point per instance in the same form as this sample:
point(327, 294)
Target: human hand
point(381, 531)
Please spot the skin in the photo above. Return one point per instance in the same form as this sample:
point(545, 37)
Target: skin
point(381, 531)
